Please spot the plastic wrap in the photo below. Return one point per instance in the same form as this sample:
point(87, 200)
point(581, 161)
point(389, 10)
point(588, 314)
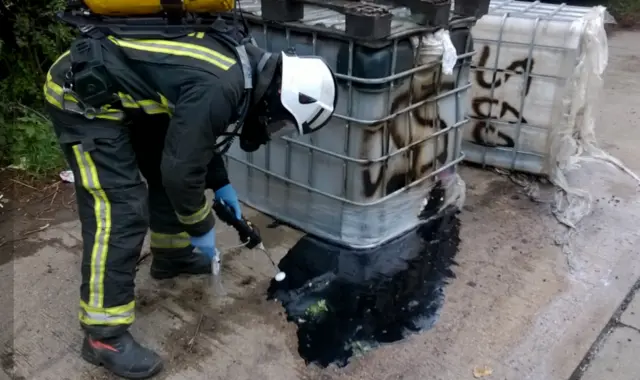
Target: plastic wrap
point(362, 180)
point(571, 146)
point(537, 75)
point(437, 46)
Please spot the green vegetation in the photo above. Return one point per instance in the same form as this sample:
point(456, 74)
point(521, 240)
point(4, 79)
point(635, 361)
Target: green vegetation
point(626, 12)
point(31, 40)
point(317, 308)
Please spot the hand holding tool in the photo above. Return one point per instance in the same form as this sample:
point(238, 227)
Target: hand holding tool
point(228, 195)
point(206, 243)
point(247, 232)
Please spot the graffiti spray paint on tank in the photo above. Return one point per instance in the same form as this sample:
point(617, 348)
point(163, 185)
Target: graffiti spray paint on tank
point(411, 130)
point(486, 110)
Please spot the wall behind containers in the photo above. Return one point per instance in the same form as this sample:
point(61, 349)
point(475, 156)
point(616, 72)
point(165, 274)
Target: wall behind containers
point(535, 80)
point(362, 179)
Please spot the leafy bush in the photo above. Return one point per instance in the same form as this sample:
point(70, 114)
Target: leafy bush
point(31, 144)
point(31, 38)
point(626, 12)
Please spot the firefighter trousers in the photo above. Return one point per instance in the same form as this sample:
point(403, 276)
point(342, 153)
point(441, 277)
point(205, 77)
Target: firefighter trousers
point(116, 209)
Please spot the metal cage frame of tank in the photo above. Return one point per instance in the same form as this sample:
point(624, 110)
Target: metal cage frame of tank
point(344, 207)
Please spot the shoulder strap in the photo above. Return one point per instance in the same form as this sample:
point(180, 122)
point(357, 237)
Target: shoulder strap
point(91, 31)
point(233, 38)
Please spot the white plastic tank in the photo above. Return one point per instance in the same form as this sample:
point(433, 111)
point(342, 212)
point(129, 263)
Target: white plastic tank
point(535, 77)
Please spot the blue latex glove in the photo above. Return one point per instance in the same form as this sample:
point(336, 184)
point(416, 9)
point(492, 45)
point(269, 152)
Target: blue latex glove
point(206, 243)
point(229, 196)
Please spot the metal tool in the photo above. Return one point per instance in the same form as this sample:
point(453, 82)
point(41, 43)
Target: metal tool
point(215, 279)
point(247, 232)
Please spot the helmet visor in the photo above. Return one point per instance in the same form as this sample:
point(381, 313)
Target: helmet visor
point(279, 121)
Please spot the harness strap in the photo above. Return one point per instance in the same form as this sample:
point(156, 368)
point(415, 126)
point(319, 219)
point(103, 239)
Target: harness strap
point(263, 61)
point(247, 71)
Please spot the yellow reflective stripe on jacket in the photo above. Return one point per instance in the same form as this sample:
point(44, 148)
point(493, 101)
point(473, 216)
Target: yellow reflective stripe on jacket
point(150, 107)
point(54, 94)
point(178, 49)
point(196, 217)
point(197, 35)
point(102, 209)
point(60, 58)
point(170, 241)
point(119, 315)
point(127, 100)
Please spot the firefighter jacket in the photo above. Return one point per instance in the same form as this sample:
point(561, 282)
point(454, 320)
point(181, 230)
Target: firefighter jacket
point(194, 79)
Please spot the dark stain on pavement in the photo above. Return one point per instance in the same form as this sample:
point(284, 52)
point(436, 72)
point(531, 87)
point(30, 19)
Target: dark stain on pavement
point(6, 361)
point(346, 302)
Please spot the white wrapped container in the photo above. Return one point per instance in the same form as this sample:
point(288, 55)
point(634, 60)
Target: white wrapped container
point(536, 77)
point(533, 65)
point(362, 180)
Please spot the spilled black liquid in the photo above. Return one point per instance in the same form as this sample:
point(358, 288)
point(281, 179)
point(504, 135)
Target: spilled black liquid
point(346, 302)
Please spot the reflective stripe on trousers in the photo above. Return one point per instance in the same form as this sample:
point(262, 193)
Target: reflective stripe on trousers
point(197, 216)
point(170, 241)
point(119, 315)
point(102, 209)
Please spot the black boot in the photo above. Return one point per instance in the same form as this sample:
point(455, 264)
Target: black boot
point(123, 356)
point(169, 266)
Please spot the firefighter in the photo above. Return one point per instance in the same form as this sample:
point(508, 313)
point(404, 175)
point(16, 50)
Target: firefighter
point(164, 109)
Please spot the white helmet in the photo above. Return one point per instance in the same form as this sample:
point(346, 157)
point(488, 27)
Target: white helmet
point(308, 92)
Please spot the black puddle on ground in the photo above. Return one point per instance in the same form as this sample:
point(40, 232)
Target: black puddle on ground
point(346, 302)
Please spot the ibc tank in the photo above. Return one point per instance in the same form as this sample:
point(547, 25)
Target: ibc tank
point(362, 179)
